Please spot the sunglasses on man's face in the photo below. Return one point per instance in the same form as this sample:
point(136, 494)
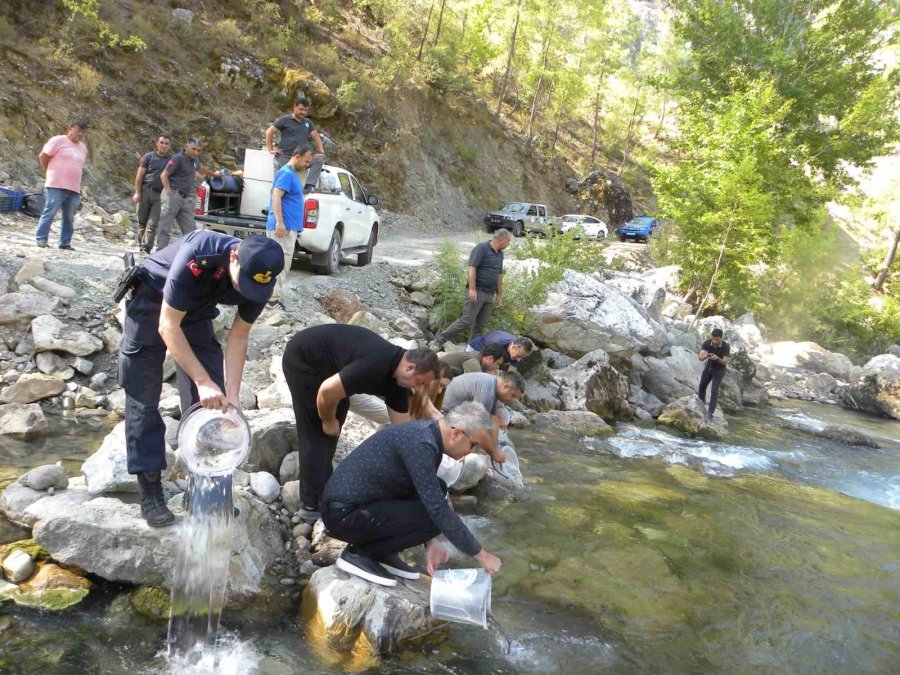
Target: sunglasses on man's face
point(472, 444)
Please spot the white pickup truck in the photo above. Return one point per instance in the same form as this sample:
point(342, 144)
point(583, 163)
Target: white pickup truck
point(338, 215)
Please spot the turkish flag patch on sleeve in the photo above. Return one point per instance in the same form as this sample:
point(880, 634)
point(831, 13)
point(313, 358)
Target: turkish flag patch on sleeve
point(194, 268)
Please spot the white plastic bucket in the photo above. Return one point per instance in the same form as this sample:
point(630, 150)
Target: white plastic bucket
point(450, 470)
point(212, 442)
point(510, 466)
point(463, 596)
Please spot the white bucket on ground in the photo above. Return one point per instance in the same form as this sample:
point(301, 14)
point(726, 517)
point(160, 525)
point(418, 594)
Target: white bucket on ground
point(450, 470)
point(212, 442)
point(463, 596)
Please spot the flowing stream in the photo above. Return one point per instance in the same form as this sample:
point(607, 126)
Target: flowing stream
point(775, 551)
point(201, 574)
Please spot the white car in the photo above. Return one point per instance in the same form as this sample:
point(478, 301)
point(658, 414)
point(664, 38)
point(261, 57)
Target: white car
point(338, 215)
point(593, 228)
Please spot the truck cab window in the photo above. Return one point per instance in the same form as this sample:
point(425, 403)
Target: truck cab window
point(532, 211)
point(345, 184)
point(542, 212)
point(359, 194)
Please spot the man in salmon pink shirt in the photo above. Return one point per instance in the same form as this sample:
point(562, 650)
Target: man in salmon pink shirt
point(62, 158)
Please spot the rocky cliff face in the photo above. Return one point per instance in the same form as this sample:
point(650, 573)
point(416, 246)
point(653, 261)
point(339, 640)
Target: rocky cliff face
point(441, 158)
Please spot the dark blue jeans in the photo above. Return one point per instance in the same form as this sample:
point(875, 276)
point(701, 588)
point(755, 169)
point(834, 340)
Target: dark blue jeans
point(54, 200)
point(713, 377)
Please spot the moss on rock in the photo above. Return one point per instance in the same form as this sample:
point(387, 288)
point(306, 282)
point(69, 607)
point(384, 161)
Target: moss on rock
point(30, 546)
point(154, 603)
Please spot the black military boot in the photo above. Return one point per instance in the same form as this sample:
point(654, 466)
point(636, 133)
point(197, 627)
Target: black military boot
point(153, 502)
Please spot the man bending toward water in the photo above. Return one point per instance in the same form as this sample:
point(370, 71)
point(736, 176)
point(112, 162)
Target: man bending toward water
point(385, 497)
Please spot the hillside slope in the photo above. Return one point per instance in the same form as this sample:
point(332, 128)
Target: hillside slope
point(439, 157)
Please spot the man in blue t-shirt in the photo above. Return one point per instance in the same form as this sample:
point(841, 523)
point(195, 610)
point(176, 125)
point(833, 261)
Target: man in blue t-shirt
point(285, 220)
point(172, 307)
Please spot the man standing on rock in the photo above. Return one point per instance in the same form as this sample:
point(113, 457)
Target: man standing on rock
point(172, 306)
point(386, 497)
point(296, 129)
point(324, 365)
point(63, 159)
point(515, 348)
point(484, 288)
point(489, 391)
point(178, 191)
point(715, 351)
point(285, 220)
point(148, 189)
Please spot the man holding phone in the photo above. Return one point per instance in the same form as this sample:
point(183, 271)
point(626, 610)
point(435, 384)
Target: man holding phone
point(715, 352)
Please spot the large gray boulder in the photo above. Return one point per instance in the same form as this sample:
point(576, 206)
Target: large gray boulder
point(582, 314)
point(578, 422)
point(25, 421)
point(878, 389)
point(351, 610)
point(591, 383)
point(107, 537)
point(19, 307)
point(808, 356)
point(687, 415)
point(106, 471)
point(51, 334)
point(273, 437)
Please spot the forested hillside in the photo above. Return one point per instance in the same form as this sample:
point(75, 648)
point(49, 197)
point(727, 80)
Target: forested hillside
point(736, 123)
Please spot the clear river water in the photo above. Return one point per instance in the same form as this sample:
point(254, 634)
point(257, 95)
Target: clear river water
point(772, 552)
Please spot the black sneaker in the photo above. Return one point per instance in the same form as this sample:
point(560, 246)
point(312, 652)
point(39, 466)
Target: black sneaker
point(67, 247)
point(364, 567)
point(309, 514)
point(276, 304)
point(394, 564)
point(308, 188)
point(42, 244)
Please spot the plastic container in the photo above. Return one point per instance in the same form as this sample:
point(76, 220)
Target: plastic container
point(226, 183)
point(212, 442)
point(510, 466)
point(11, 200)
point(450, 470)
point(463, 596)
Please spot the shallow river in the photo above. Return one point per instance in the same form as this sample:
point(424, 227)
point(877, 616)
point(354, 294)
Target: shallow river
point(646, 552)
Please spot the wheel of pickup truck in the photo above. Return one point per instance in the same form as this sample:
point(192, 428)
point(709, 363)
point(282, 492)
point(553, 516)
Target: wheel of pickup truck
point(519, 229)
point(365, 257)
point(333, 255)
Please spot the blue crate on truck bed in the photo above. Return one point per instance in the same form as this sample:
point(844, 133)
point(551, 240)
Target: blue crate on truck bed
point(11, 200)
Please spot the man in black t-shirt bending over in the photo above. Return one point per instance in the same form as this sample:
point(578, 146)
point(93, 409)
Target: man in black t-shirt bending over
point(715, 352)
point(324, 366)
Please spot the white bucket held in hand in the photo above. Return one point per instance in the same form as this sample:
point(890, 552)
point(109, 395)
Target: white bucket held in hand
point(463, 596)
point(212, 442)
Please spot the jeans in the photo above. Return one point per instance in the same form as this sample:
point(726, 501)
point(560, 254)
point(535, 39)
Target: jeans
point(54, 200)
point(288, 243)
point(714, 377)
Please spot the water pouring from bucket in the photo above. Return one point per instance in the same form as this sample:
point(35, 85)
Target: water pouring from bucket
point(212, 444)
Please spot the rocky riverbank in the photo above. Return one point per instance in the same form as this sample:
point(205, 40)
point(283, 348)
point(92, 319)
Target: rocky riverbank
point(615, 346)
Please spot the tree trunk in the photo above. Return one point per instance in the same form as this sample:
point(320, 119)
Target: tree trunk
point(662, 119)
point(629, 133)
point(512, 51)
point(425, 34)
point(712, 279)
point(596, 126)
point(437, 32)
point(462, 35)
point(888, 261)
point(537, 91)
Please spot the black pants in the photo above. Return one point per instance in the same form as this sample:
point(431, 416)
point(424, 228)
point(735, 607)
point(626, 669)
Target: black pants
point(141, 356)
point(380, 528)
point(712, 376)
point(316, 447)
